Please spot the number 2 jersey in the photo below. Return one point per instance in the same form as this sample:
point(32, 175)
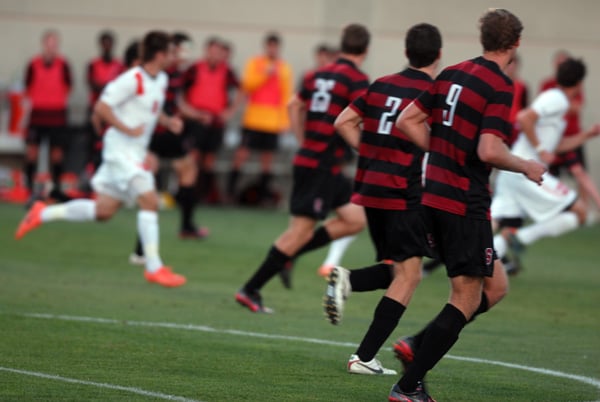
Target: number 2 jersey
point(326, 93)
point(136, 98)
point(389, 174)
point(466, 100)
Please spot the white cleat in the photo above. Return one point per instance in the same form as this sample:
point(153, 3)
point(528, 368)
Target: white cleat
point(374, 367)
point(338, 290)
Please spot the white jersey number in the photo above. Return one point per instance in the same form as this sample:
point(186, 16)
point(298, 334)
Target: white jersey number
point(451, 101)
point(322, 96)
point(385, 125)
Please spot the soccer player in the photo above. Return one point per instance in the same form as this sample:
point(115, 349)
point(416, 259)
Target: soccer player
point(388, 186)
point(48, 83)
point(318, 186)
point(267, 85)
point(553, 207)
point(131, 105)
point(468, 106)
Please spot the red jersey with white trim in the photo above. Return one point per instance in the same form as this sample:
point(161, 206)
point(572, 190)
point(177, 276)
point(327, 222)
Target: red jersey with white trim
point(136, 98)
point(326, 93)
point(389, 171)
point(465, 101)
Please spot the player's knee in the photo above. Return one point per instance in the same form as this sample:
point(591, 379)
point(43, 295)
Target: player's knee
point(148, 201)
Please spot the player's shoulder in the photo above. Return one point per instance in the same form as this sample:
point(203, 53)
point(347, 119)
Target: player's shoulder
point(552, 96)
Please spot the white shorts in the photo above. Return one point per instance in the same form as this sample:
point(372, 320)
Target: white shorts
point(122, 180)
point(516, 196)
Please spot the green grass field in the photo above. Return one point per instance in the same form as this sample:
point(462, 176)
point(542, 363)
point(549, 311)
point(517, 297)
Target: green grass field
point(78, 323)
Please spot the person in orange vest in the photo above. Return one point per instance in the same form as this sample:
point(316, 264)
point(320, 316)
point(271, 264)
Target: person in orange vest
point(207, 85)
point(48, 83)
point(100, 71)
point(267, 84)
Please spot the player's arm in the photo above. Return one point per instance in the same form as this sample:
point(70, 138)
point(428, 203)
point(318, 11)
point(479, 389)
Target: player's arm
point(106, 114)
point(190, 112)
point(297, 112)
point(527, 119)
point(574, 141)
point(347, 125)
point(173, 123)
point(493, 150)
point(413, 123)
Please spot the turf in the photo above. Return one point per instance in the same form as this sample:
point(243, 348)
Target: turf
point(548, 321)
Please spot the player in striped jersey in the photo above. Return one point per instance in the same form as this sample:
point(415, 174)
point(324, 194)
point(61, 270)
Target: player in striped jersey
point(319, 186)
point(468, 106)
point(388, 185)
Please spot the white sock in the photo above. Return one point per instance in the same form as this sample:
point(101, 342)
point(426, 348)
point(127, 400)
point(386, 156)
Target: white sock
point(74, 210)
point(500, 245)
point(561, 224)
point(147, 222)
point(337, 248)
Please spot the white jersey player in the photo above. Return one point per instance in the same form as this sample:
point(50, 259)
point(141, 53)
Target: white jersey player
point(131, 105)
point(553, 206)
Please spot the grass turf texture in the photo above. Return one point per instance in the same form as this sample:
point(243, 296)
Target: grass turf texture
point(549, 319)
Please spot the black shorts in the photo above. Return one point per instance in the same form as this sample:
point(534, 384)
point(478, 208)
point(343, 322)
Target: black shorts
point(58, 136)
point(567, 160)
point(397, 235)
point(207, 138)
point(465, 245)
point(169, 145)
point(259, 140)
point(317, 192)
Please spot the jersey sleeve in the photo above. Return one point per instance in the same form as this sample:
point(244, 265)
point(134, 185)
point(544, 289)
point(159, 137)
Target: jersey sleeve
point(496, 115)
point(123, 88)
point(550, 103)
point(359, 105)
point(358, 88)
point(425, 100)
point(305, 92)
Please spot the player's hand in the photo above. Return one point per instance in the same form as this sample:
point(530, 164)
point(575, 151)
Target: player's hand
point(205, 118)
point(534, 171)
point(175, 124)
point(546, 157)
point(137, 131)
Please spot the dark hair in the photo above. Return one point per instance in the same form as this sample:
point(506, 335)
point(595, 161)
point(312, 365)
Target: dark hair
point(272, 38)
point(423, 43)
point(132, 53)
point(179, 37)
point(106, 35)
point(499, 30)
point(570, 72)
point(153, 43)
point(212, 40)
point(355, 39)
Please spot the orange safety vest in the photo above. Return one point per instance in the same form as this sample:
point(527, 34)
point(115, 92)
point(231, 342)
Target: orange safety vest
point(48, 89)
point(209, 90)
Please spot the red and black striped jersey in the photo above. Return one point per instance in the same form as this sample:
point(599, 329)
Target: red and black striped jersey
point(326, 93)
point(388, 175)
point(466, 100)
point(176, 82)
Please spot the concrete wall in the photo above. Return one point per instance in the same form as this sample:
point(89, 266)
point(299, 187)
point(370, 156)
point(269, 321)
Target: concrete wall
point(549, 25)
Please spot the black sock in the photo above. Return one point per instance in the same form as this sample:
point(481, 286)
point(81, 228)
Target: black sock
point(232, 180)
point(186, 197)
point(385, 319)
point(264, 190)
point(29, 170)
point(483, 307)
point(208, 182)
point(439, 337)
point(375, 277)
point(139, 250)
point(273, 263)
point(57, 169)
point(319, 239)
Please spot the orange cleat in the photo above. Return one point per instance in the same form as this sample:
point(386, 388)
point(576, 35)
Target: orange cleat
point(32, 220)
point(165, 277)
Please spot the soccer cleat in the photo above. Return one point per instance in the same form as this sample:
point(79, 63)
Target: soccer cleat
point(374, 367)
point(338, 290)
point(286, 274)
point(136, 259)
point(253, 301)
point(165, 277)
point(404, 349)
point(194, 233)
point(324, 270)
point(418, 395)
point(32, 220)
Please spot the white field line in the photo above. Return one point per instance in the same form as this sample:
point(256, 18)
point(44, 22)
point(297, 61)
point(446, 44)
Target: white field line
point(99, 385)
point(201, 328)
